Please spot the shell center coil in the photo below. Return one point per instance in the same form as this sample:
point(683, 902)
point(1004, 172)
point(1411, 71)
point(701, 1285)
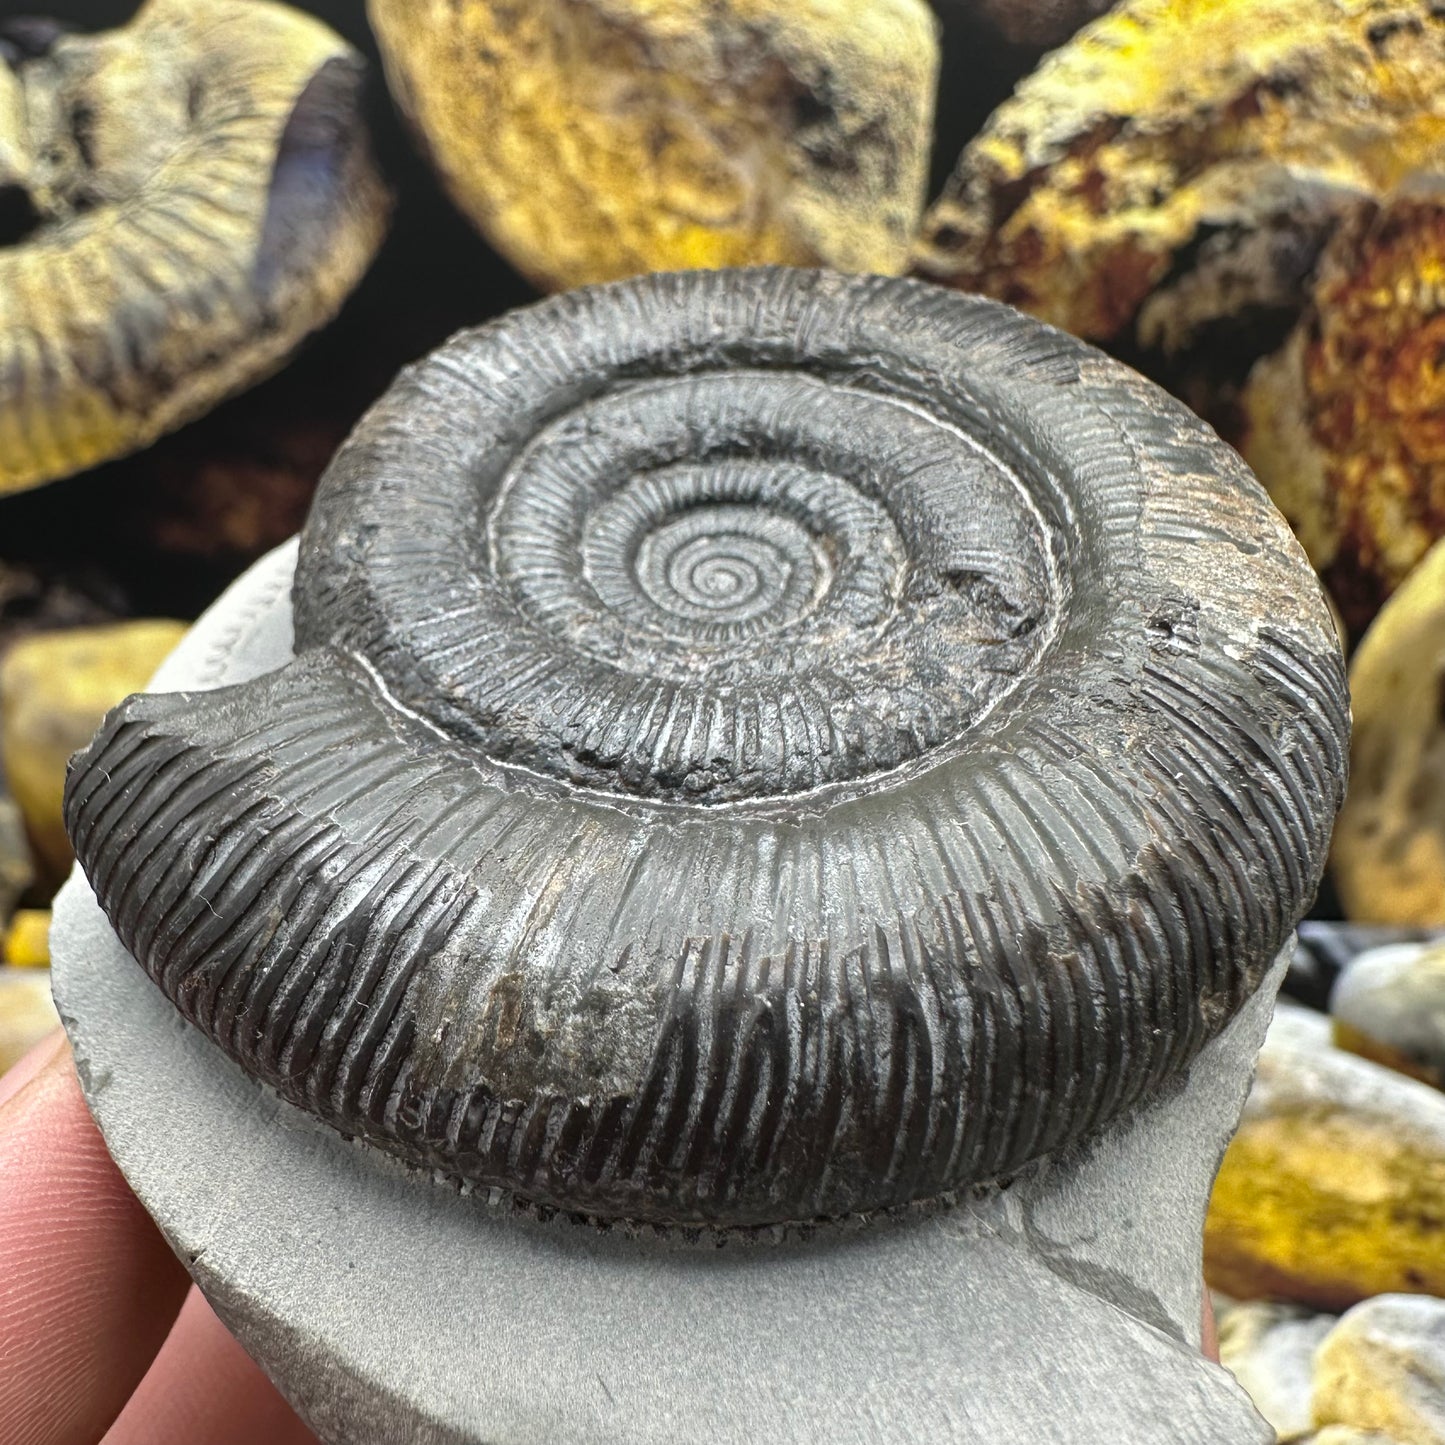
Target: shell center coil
point(737, 567)
point(754, 584)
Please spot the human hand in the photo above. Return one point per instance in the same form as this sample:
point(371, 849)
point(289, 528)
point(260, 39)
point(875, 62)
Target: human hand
point(102, 1336)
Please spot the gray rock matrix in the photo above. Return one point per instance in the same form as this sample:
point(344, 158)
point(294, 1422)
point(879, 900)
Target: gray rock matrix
point(394, 1310)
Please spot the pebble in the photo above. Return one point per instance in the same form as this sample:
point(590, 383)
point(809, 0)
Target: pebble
point(1387, 859)
point(1333, 1189)
point(27, 1012)
point(55, 687)
point(595, 139)
point(1389, 1006)
point(1270, 1350)
point(27, 942)
point(1382, 1368)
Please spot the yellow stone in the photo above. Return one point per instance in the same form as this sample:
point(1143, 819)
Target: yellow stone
point(27, 944)
point(204, 197)
point(1388, 854)
point(1382, 1368)
point(27, 1012)
point(596, 139)
point(55, 687)
point(1333, 1189)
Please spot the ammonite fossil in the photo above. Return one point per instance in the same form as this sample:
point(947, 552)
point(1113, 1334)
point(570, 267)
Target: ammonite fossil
point(181, 202)
point(1166, 180)
point(596, 139)
point(762, 746)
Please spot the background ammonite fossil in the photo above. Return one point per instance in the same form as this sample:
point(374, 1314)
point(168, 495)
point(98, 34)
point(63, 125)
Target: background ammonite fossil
point(182, 201)
point(762, 745)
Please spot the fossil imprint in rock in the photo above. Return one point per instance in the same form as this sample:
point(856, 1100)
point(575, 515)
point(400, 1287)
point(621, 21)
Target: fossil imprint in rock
point(181, 202)
point(762, 746)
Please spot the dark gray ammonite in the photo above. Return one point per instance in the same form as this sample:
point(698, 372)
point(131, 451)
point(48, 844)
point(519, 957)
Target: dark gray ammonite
point(762, 745)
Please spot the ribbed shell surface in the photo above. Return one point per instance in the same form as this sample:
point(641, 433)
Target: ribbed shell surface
point(206, 198)
point(762, 746)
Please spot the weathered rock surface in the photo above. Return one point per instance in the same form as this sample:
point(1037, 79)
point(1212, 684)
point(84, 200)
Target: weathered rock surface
point(1383, 1368)
point(1333, 1189)
point(1270, 1350)
point(54, 689)
point(1389, 1006)
point(1388, 854)
point(595, 139)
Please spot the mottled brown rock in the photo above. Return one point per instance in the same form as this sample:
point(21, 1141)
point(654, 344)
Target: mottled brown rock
point(54, 689)
point(227, 500)
point(1346, 424)
point(1383, 1368)
point(1334, 1187)
point(1388, 855)
point(594, 139)
point(188, 197)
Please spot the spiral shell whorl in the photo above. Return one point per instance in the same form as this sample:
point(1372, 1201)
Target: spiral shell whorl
point(762, 746)
point(711, 580)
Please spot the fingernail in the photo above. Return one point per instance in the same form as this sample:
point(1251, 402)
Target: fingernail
point(31, 1065)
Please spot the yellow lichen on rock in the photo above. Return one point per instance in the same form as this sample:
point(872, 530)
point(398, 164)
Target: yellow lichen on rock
point(596, 139)
point(200, 196)
point(55, 687)
point(1333, 1189)
point(1388, 854)
point(1182, 161)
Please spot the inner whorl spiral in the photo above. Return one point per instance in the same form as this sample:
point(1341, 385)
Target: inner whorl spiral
point(713, 580)
point(762, 746)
